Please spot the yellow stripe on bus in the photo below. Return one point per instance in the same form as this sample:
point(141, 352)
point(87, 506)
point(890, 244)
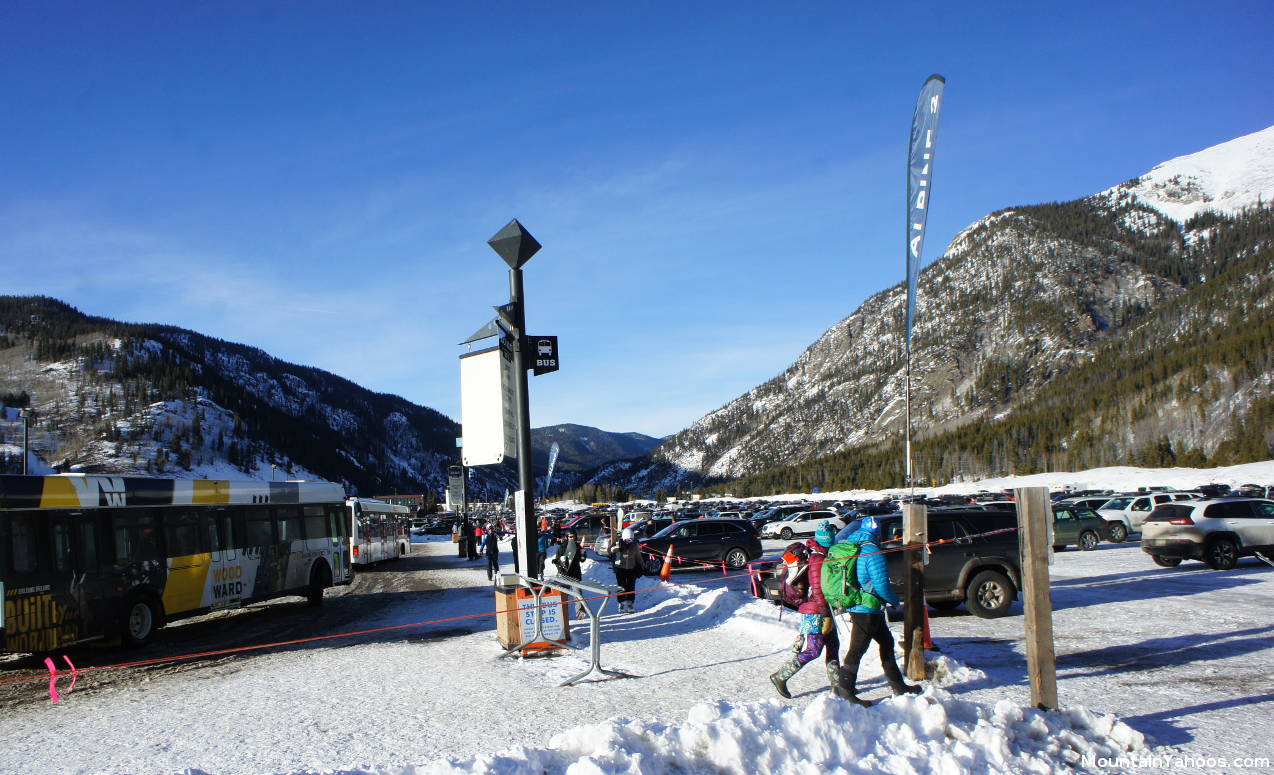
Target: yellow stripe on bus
point(187, 577)
point(59, 493)
point(211, 491)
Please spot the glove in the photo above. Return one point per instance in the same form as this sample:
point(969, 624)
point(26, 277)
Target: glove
point(893, 613)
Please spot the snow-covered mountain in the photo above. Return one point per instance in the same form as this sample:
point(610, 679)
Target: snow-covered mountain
point(581, 447)
point(1226, 179)
point(1017, 302)
point(112, 397)
point(124, 398)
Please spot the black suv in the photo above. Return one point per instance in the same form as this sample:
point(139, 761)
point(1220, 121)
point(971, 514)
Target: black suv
point(980, 571)
point(731, 541)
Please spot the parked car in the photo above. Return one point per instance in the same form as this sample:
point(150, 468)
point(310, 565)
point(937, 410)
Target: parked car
point(588, 526)
point(765, 517)
point(1126, 513)
point(981, 572)
point(1092, 502)
point(731, 541)
point(804, 523)
point(978, 571)
point(1077, 526)
point(642, 529)
point(1216, 531)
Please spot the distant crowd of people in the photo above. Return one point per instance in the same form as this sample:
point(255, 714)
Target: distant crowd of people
point(481, 539)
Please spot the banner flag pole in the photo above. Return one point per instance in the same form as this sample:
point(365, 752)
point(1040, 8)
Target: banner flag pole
point(920, 152)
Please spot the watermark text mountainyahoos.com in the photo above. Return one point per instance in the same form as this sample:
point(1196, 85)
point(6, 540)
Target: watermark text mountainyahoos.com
point(1183, 762)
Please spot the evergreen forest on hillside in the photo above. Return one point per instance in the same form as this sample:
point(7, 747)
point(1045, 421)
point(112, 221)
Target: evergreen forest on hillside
point(1186, 356)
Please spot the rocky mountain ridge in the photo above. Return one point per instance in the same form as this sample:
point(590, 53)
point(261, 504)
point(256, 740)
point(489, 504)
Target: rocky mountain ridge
point(1017, 301)
point(111, 397)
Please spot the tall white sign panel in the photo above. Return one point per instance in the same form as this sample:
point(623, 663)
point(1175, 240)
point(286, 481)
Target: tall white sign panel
point(488, 409)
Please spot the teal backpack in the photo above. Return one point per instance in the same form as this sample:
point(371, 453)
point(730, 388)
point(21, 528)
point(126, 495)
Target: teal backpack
point(840, 579)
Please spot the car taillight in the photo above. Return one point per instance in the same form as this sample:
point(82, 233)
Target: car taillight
point(1181, 521)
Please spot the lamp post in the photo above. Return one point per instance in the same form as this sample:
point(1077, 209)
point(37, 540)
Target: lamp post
point(515, 245)
point(25, 414)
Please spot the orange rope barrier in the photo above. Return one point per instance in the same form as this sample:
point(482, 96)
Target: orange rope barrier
point(353, 633)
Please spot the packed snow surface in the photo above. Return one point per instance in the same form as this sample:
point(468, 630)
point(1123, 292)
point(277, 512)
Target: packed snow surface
point(1159, 670)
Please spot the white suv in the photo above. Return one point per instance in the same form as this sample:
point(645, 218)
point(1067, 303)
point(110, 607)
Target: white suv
point(1126, 513)
point(1216, 531)
point(802, 524)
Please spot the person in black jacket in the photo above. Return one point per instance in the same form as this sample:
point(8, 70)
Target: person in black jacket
point(626, 558)
point(491, 549)
point(569, 556)
point(568, 559)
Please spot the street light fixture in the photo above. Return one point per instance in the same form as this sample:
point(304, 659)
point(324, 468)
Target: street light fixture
point(516, 246)
point(25, 414)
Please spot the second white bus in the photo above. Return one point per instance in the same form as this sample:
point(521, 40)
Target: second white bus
point(378, 530)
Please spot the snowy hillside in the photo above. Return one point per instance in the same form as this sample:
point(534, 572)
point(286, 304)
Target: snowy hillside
point(1021, 300)
point(1225, 179)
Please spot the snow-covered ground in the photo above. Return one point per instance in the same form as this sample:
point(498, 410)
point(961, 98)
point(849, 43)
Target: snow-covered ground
point(1152, 662)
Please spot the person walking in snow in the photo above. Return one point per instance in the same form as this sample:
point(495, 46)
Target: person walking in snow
point(568, 559)
point(542, 541)
point(471, 542)
point(817, 633)
point(626, 562)
point(868, 618)
point(491, 550)
point(569, 556)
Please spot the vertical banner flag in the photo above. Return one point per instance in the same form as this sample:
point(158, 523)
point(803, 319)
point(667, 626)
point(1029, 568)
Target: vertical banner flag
point(548, 481)
point(924, 130)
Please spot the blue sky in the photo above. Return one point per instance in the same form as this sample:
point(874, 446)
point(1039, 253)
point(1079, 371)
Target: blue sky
point(714, 184)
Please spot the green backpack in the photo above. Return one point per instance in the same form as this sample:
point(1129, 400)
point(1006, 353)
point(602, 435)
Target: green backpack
point(840, 579)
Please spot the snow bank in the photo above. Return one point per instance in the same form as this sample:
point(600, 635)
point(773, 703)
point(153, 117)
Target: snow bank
point(930, 733)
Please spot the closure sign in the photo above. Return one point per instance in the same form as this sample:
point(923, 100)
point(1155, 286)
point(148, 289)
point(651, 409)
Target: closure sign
point(542, 354)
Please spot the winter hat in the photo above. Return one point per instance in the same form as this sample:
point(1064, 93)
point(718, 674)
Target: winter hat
point(825, 535)
point(870, 525)
point(626, 534)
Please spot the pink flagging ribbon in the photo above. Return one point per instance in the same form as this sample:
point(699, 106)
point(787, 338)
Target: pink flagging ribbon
point(53, 676)
point(75, 674)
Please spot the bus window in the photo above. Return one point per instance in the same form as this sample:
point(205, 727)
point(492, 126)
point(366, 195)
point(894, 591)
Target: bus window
point(24, 545)
point(315, 521)
point(289, 524)
point(260, 527)
point(123, 543)
point(231, 530)
point(214, 533)
point(338, 521)
point(148, 546)
point(136, 536)
point(61, 546)
point(88, 543)
point(182, 529)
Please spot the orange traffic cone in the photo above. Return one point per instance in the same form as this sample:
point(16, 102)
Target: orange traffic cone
point(928, 641)
point(665, 572)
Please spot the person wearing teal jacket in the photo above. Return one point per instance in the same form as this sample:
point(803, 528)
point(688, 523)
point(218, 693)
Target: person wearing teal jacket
point(868, 619)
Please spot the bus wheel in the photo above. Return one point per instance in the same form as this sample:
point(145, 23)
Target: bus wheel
point(320, 579)
point(141, 619)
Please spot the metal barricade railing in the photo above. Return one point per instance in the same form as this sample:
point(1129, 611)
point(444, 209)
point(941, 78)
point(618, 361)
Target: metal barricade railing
point(593, 598)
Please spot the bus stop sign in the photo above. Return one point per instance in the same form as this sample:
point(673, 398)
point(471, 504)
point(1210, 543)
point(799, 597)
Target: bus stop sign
point(542, 354)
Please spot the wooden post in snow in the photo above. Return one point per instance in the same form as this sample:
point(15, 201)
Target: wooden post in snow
point(915, 527)
point(1035, 516)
